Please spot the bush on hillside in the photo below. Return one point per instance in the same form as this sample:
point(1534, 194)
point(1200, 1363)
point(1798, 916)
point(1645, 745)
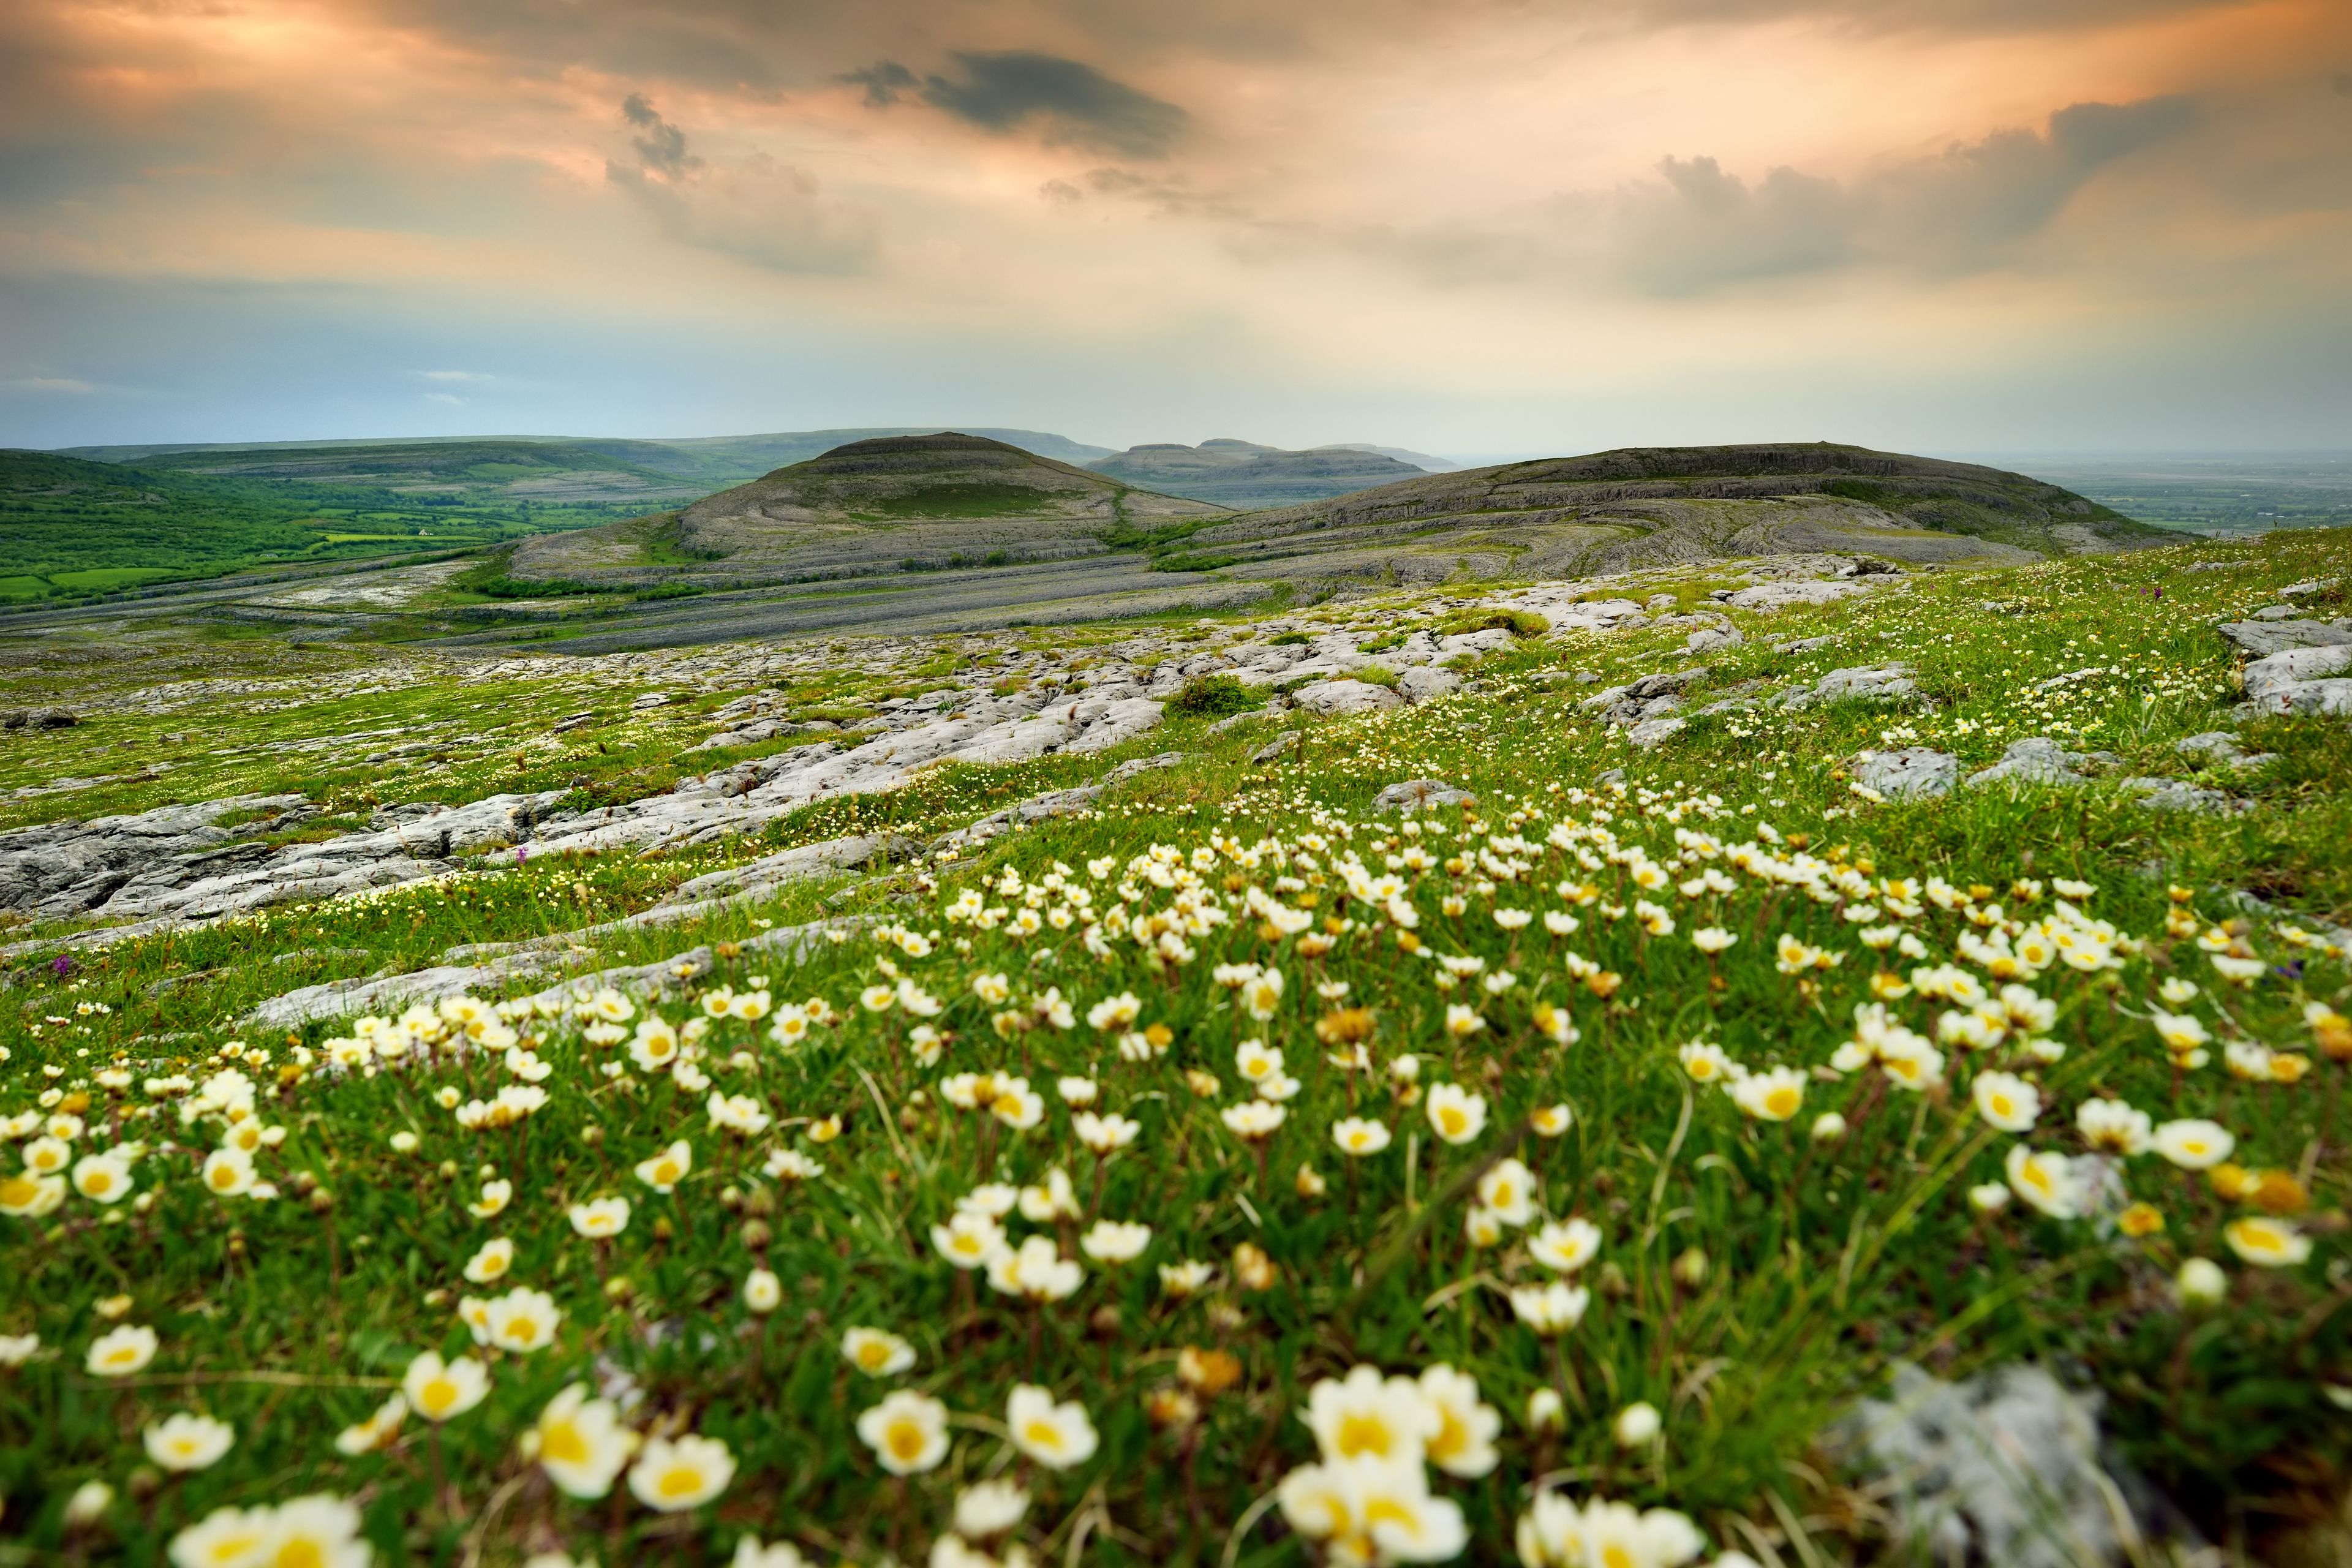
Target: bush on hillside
point(1216, 695)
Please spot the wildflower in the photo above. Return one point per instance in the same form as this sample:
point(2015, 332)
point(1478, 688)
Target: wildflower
point(1018, 1106)
point(1704, 1061)
point(378, 1429)
point(1368, 1510)
point(989, 1507)
point(1547, 1412)
point(1186, 1278)
point(1828, 1127)
point(102, 1178)
point(969, 1240)
point(1552, 1309)
point(228, 1172)
point(2113, 1126)
point(1355, 1136)
point(672, 1474)
point(1035, 1271)
point(1567, 1245)
point(664, 1171)
point(2046, 1180)
point(601, 1219)
point(2265, 1241)
point(1077, 1093)
point(1463, 1444)
point(1507, 1191)
point(1056, 1435)
point(1055, 1199)
point(87, 1504)
point(1256, 1062)
point(2193, 1145)
point(580, 1443)
point(907, 1432)
point(877, 1352)
point(1253, 1121)
point(1772, 1096)
point(1308, 1181)
point(495, 1197)
point(118, 1353)
point(1457, 1115)
point(1463, 1021)
point(308, 1530)
point(1551, 1121)
point(25, 1196)
point(1637, 1426)
point(1366, 1414)
point(2200, 1283)
point(739, 1113)
point(1116, 1012)
point(1989, 1197)
point(1712, 939)
point(522, 1319)
point(1263, 995)
point(438, 1390)
point(184, 1442)
point(2007, 1102)
point(763, 1291)
point(490, 1261)
point(2139, 1220)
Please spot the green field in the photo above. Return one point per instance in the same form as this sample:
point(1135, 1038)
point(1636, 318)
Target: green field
point(1644, 1112)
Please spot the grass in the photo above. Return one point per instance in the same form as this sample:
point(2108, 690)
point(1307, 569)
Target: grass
point(1752, 1278)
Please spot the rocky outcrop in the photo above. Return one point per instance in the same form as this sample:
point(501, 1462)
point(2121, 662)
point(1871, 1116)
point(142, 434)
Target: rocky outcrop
point(1861, 683)
point(1913, 772)
point(60, 870)
point(2039, 760)
point(1333, 697)
point(1420, 794)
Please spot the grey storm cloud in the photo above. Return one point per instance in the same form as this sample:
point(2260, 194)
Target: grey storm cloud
point(1071, 102)
point(660, 145)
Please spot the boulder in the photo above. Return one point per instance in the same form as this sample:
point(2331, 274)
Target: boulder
point(1285, 741)
point(1915, 773)
point(1859, 683)
point(2037, 759)
point(1420, 794)
point(1766, 597)
point(2220, 748)
point(2262, 638)
point(1424, 682)
point(2177, 794)
point(1709, 638)
point(1334, 697)
point(1651, 731)
point(1493, 639)
point(2304, 679)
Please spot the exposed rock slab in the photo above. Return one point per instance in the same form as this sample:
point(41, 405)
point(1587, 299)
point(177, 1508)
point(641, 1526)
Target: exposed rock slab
point(1335, 696)
point(1420, 794)
point(2039, 760)
point(1913, 772)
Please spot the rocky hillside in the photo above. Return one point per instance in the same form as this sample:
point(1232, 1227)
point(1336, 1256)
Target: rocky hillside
point(1647, 506)
point(911, 502)
point(1244, 475)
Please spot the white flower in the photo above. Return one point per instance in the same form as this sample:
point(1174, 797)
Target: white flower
point(228, 1172)
point(1253, 1118)
point(490, 1261)
point(438, 1390)
point(102, 1178)
point(186, 1442)
point(1035, 1271)
point(2006, 1101)
point(1355, 1136)
point(969, 1240)
point(1551, 1309)
point(1367, 1415)
point(672, 1474)
point(580, 1442)
point(2201, 1283)
point(1774, 1095)
point(877, 1352)
point(1105, 1133)
point(1113, 1241)
point(601, 1218)
point(1456, 1115)
point(521, 1321)
point(1507, 1190)
point(1370, 1511)
point(379, 1428)
point(907, 1432)
point(1637, 1426)
point(1463, 1444)
point(2113, 1126)
point(2265, 1241)
point(989, 1507)
point(2046, 1180)
point(2194, 1145)
point(665, 1170)
point(1565, 1246)
point(118, 1353)
point(1056, 1435)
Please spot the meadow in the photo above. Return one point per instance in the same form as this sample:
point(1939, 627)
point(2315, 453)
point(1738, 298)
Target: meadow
point(1236, 1172)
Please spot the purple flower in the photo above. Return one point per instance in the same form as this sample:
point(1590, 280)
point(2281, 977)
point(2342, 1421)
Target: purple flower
point(63, 963)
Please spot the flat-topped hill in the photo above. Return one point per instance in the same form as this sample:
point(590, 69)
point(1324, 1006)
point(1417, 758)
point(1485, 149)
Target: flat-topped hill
point(1242, 474)
point(936, 501)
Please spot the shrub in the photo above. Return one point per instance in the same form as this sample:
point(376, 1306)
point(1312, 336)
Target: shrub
point(1289, 640)
point(1215, 695)
point(1518, 623)
point(1381, 644)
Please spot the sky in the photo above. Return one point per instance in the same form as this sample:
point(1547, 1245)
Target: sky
point(1457, 225)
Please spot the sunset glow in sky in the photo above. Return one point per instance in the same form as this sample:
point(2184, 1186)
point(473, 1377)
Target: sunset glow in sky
point(1466, 226)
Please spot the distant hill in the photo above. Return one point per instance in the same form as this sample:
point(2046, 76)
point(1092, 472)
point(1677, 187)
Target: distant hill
point(946, 498)
point(1564, 517)
point(1244, 475)
point(69, 525)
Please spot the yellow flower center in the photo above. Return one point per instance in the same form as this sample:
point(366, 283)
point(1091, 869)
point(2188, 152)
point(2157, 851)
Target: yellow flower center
point(234, 1548)
point(97, 1180)
point(906, 1441)
point(301, 1552)
point(563, 1443)
point(18, 1192)
point(1363, 1434)
point(1781, 1101)
point(437, 1396)
point(1044, 1435)
point(1454, 1121)
point(1616, 1556)
point(680, 1480)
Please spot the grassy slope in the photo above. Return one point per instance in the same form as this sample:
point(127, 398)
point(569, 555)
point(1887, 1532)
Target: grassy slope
point(1823, 1262)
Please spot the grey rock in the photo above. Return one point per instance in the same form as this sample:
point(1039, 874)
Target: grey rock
point(351, 998)
point(2004, 1469)
point(2037, 759)
point(1651, 731)
point(1657, 601)
point(1710, 637)
point(2305, 589)
point(1334, 697)
point(1766, 597)
point(1915, 773)
point(1285, 741)
point(1424, 682)
point(1420, 794)
point(2211, 565)
point(2220, 747)
point(1861, 683)
point(762, 876)
point(1665, 683)
point(1804, 644)
point(2275, 613)
point(2177, 794)
point(2301, 680)
point(2262, 638)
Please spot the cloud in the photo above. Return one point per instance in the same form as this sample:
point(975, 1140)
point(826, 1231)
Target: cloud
point(752, 208)
point(457, 375)
point(1071, 104)
point(1967, 209)
point(445, 399)
point(62, 385)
